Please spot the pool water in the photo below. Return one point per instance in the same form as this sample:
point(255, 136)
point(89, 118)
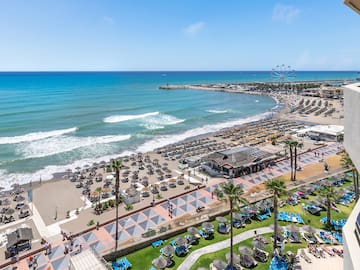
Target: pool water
point(278, 264)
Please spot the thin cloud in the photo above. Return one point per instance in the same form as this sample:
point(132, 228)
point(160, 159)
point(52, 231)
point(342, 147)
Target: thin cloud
point(285, 13)
point(194, 28)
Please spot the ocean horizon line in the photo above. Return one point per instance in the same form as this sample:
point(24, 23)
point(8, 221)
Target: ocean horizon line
point(158, 71)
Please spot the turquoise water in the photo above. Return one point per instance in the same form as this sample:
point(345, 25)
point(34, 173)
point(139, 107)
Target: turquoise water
point(54, 121)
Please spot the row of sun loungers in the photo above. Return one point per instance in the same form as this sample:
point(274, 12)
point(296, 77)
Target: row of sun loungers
point(290, 217)
point(121, 264)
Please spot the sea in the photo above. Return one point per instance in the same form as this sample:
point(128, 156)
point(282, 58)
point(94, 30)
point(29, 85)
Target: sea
point(54, 121)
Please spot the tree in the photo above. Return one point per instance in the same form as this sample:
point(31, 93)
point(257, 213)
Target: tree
point(98, 190)
point(116, 166)
point(289, 143)
point(231, 193)
point(277, 187)
point(296, 145)
point(330, 195)
point(347, 162)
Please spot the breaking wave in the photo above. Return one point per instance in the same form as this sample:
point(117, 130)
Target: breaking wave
point(36, 136)
point(123, 118)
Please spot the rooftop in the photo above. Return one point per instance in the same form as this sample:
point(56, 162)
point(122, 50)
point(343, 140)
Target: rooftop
point(239, 156)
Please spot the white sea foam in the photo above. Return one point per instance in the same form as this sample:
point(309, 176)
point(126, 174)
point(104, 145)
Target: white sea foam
point(7, 179)
point(123, 118)
point(161, 141)
point(56, 145)
point(160, 121)
point(217, 111)
point(35, 136)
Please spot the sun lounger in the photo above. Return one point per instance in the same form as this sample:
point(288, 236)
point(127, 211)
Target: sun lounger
point(157, 243)
point(260, 255)
point(309, 238)
point(304, 256)
point(328, 250)
point(312, 250)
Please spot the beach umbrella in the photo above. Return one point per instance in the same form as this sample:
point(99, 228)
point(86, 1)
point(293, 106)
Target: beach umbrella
point(258, 244)
point(221, 219)
point(237, 216)
point(219, 264)
point(236, 257)
point(168, 250)
point(309, 229)
point(159, 262)
point(9, 211)
point(245, 210)
point(207, 226)
point(180, 241)
point(192, 230)
point(279, 228)
point(245, 250)
point(292, 228)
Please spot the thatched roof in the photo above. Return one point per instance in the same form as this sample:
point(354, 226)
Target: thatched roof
point(239, 157)
point(18, 236)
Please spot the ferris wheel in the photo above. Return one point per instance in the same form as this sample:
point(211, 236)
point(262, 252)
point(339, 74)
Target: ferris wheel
point(282, 74)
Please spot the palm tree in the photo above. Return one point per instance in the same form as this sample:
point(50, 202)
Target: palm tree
point(232, 193)
point(116, 166)
point(330, 195)
point(277, 187)
point(347, 162)
point(296, 145)
point(98, 190)
point(289, 143)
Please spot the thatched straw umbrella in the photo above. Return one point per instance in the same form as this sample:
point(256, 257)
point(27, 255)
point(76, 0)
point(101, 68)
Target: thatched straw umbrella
point(192, 230)
point(219, 264)
point(236, 257)
point(245, 250)
point(159, 263)
point(207, 226)
point(221, 219)
point(180, 241)
point(258, 244)
point(168, 251)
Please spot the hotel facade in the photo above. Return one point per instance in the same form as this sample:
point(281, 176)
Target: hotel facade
point(351, 230)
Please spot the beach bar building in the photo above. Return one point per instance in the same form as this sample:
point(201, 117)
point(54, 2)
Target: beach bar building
point(239, 161)
point(17, 241)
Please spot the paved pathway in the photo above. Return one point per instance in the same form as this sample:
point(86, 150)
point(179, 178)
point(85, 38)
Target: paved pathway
point(195, 255)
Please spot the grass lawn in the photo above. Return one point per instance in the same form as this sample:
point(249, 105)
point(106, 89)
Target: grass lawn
point(142, 259)
point(205, 260)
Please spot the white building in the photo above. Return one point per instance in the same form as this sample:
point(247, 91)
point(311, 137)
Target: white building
point(351, 230)
point(323, 132)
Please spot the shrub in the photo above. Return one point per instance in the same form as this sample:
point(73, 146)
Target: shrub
point(91, 222)
point(129, 207)
point(187, 187)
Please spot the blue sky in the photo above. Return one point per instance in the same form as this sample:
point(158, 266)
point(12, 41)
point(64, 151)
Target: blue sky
point(178, 35)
